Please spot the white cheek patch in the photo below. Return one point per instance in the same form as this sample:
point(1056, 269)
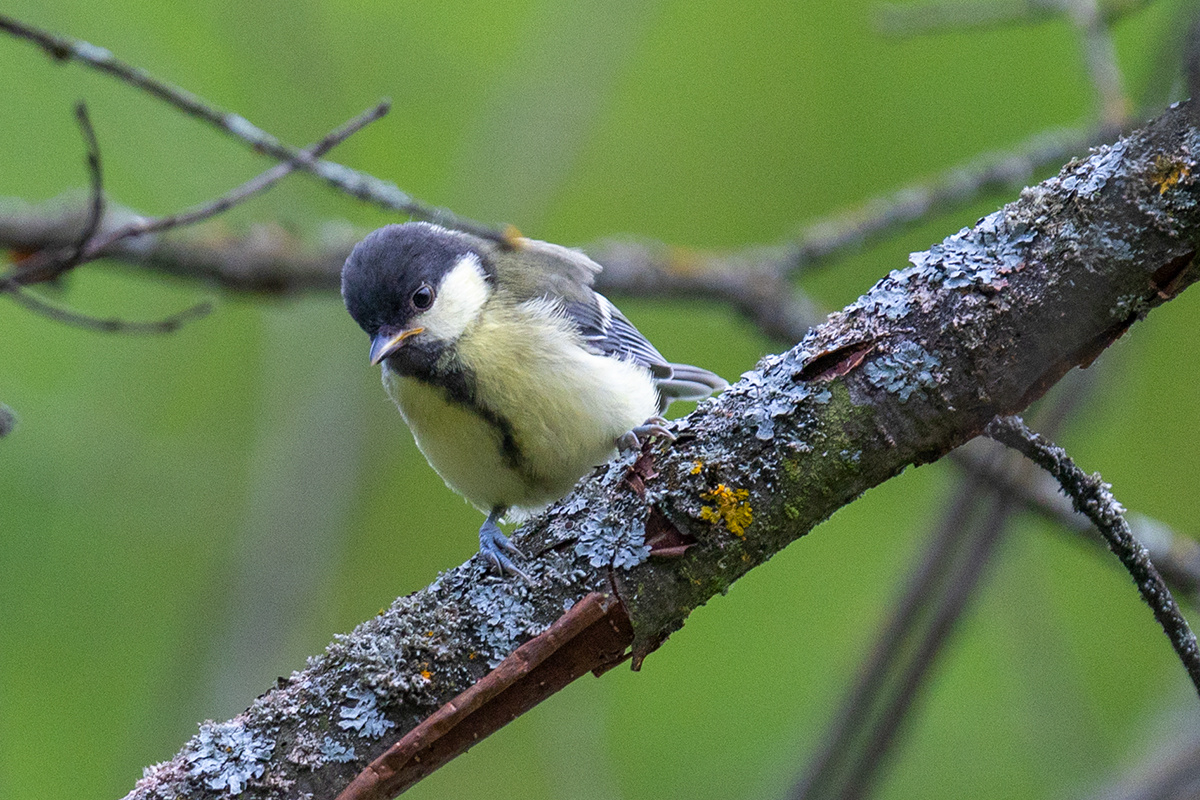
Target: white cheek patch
point(459, 300)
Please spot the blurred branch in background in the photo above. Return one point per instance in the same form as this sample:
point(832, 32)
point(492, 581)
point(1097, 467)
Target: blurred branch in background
point(860, 741)
point(354, 183)
point(1170, 772)
point(917, 19)
point(47, 262)
point(755, 280)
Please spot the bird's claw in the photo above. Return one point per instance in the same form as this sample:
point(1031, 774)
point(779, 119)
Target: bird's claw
point(495, 548)
point(655, 426)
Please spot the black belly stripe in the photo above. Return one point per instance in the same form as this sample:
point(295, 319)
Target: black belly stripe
point(457, 384)
point(508, 442)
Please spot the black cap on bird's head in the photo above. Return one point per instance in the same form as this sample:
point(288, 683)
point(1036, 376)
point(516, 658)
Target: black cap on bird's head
point(392, 279)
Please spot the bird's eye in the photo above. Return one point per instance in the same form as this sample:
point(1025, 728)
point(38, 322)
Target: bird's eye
point(422, 298)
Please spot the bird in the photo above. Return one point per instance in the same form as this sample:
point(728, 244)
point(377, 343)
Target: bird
point(513, 374)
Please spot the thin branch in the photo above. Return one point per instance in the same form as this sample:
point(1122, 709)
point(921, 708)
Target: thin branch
point(92, 246)
point(52, 262)
point(251, 188)
point(96, 173)
point(76, 319)
point(55, 264)
point(883, 216)
point(350, 181)
point(1093, 498)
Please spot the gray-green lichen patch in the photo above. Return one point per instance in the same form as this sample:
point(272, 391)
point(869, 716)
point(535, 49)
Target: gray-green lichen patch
point(979, 257)
point(226, 756)
point(506, 618)
point(1085, 178)
point(336, 752)
point(774, 393)
point(618, 539)
point(890, 298)
point(364, 716)
point(975, 258)
point(620, 543)
point(389, 652)
point(315, 749)
point(903, 371)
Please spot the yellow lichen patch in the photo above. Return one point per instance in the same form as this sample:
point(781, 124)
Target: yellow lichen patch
point(1168, 172)
point(426, 674)
point(730, 507)
point(697, 466)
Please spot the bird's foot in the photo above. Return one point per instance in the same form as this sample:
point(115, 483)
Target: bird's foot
point(655, 426)
point(495, 548)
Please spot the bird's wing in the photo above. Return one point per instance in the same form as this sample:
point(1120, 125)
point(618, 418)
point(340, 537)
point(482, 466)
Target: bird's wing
point(564, 276)
point(534, 269)
point(606, 331)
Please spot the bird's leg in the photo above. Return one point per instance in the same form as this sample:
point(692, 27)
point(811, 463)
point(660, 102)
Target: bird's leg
point(495, 547)
point(655, 426)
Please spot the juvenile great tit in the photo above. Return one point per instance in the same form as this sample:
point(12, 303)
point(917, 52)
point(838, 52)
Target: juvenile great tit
point(515, 377)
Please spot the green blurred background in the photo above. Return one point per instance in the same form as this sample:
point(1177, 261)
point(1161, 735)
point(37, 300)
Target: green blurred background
point(184, 518)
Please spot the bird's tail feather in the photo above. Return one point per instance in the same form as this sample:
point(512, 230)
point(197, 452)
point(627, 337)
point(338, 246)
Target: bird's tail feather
point(688, 383)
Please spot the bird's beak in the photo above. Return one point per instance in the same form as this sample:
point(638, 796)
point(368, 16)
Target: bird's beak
point(383, 345)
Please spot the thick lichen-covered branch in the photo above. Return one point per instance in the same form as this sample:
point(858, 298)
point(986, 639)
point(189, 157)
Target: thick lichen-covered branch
point(979, 325)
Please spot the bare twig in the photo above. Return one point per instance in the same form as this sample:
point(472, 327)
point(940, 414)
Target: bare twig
point(1093, 498)
point(255, 186)
point(90, 246)
point(51, 262)
point(350, 181)
point(112, 325)
point(884, 215)
point(55, 264)
point(96, 174)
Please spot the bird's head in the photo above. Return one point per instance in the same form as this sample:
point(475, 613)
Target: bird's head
point(415, 288)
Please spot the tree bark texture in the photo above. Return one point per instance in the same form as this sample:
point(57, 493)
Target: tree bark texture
point(979, 325)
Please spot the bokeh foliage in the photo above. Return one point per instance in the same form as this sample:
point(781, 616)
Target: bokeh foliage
point(184, 518)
